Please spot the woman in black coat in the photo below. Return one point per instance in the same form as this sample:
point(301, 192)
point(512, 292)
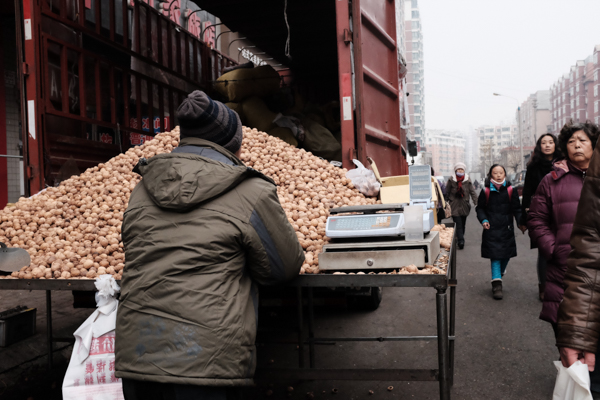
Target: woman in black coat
point(539, 166)
point(497, 205)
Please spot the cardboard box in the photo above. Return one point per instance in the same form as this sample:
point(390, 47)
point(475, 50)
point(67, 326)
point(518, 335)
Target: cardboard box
point(16, 324)
point(396, 189)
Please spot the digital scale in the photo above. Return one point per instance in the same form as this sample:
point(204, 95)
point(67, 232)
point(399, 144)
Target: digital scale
point(370, 224)
point(373, 236)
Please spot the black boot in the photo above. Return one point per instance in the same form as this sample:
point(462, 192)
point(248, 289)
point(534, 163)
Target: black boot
point(461, 245)
point(497, 289)
point(541, 289)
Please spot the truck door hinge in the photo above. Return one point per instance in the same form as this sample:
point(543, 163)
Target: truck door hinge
point(353, 154)
point(347, 36)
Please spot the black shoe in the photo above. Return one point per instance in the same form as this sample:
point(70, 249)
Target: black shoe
point(461, 245)
point(497, 290)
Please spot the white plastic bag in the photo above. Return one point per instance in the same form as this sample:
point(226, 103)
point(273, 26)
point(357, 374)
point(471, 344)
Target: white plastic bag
point(572, 383)
point(364, 180)
point(91, 371)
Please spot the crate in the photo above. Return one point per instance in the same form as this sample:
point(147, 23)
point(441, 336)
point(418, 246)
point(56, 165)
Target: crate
point(16, 324)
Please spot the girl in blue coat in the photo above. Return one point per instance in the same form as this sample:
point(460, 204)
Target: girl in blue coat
point(497, 208)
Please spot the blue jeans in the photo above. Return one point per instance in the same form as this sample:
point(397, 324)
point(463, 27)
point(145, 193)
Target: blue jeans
point(499, 268)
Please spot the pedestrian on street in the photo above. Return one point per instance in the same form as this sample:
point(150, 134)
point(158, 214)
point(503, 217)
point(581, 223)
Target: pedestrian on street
point(578, 314)
point(200, 232)
point(539, 166)
point(497, 208)
point(458, 190)
point(553, 209)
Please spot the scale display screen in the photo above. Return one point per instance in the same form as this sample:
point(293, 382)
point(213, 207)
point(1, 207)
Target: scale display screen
point(365, 225)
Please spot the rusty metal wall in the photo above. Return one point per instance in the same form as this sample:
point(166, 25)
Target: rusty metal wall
point(378, 131)
point(104, 76)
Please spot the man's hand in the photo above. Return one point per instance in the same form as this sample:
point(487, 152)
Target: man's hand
point(486, 225)
point(568, 356)
point(523, 228)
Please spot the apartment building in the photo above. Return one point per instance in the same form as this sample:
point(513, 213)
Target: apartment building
point(446, 148)
point(415, 79)
point(576, 95)
point(536, 117)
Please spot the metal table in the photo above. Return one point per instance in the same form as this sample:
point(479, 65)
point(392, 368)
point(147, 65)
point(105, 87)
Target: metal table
point(49, 285)
point(305, 283)
point(445, 329)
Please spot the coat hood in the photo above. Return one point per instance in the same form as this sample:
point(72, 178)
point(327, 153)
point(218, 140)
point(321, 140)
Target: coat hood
point(181, 181)
point(563, 167)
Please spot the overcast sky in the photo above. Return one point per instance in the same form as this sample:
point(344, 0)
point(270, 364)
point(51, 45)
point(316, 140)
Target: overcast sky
point(473, 48)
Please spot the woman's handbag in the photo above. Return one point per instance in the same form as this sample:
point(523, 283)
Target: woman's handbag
point(445, 211)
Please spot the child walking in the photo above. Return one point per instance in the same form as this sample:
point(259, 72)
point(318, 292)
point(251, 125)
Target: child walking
point(498, 207)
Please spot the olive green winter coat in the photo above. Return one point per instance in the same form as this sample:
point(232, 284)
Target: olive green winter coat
point(198, 235)
point(460, 205)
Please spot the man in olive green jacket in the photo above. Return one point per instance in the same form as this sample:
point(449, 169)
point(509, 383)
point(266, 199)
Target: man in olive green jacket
point(201, 230)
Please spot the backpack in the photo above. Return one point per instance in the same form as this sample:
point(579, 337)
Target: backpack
point(487, 193)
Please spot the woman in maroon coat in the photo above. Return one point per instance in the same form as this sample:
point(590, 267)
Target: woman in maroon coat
point(553, 209)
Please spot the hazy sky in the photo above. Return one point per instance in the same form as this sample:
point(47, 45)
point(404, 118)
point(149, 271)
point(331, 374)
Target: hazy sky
point(473, 48)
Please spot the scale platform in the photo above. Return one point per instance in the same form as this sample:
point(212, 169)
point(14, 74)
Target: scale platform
point(380, 220)
point(378, 253)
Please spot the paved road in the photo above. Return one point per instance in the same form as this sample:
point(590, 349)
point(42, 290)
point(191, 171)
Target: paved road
point(503, 351)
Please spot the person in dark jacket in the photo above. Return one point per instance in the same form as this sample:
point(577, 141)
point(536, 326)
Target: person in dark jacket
point(200, 232)
point(497, 209)
point(539, 166)
point(579, 314)
point(553, 208)
point(458, 190)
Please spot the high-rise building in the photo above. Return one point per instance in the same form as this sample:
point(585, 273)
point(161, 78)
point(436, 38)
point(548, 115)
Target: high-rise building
point(576, 95)
point(492, 139)
point(536, 118)
point(446, 148)
point(415, 78)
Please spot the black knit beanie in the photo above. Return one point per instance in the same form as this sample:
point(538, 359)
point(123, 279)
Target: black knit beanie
point(204, 118)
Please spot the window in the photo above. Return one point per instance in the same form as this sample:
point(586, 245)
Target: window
point(595, 106)
point(577, 102)
point(596, 91)
point(414, 3)
point(415, 14)
point(577, 88)
point(596, 75)
point(571, 92)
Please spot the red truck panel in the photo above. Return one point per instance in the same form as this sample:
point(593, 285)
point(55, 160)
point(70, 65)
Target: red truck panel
point(378, 132)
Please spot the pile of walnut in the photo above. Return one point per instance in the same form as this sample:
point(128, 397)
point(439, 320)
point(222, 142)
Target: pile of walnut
point(308, 187)
point(73, 231)
point(445, 235)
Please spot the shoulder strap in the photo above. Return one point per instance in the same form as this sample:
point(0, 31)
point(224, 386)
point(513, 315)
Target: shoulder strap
point(487, 194)
point(510, 190)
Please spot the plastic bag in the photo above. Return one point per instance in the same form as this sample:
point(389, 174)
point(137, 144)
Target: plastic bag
point(364, 180)
point(572, 383)
point(91, 371)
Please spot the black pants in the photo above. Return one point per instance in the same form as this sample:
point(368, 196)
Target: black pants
point(459, 227)
point(141, 390)
point(594, 375)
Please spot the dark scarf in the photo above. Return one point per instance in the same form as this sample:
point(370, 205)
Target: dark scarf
point(460, 191)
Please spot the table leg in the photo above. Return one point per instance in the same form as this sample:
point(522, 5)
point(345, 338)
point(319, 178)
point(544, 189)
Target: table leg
point(300, 329)
point(311, 330)
point(49, 327)
point(443, 345)
point(452, 316)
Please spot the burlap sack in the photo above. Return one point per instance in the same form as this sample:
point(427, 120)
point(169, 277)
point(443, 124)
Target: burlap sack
point(284, 134)
point(242, 83)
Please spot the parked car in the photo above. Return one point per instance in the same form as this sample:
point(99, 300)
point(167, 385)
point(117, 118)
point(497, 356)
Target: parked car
point(519, 181)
